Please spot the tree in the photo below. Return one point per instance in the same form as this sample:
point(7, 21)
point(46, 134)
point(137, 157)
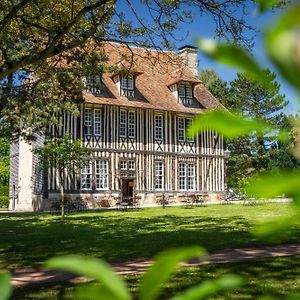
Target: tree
point(38, 37)
point(258, 151)
point(65, 155)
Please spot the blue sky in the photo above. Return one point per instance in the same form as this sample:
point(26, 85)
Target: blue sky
point(202, 26)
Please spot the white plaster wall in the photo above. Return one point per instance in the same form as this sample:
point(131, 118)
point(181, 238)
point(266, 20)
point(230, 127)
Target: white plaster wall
point(24, 201)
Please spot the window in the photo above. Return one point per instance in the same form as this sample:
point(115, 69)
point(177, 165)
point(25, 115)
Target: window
point(123, 123)
point(159, 175)
point(87, 121)
point(185, 94)
point(158, 127)
point(181, 176)
point(186, 176)
point(131, 165)
point(86, 176)
point(131, 124)
point(94, 84)
point(181, 129)
point(123, 165)
point(97, 122)
point(127, 124)
point(101, 174)
point(183, 125)
point(127, 86)
point(191, 177)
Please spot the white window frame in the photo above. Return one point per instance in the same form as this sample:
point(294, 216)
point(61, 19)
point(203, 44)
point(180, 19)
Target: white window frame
point(131, 124)
point(191, 177)
point(181, 176)
point(159, 178)
point(185, 93)
point(88, 122)
point(127, 85)
point(123, 123)
point(101, 174)
point(158, 127)
point(86, 176)
point(131, 165)
point(123, 165)
point(97, 122)
point(94, 84)
point(181, 129)
point(188, 123)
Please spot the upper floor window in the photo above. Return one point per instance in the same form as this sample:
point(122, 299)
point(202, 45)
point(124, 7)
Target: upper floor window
point(185, 93)
point(183, 124)
point(92, 121)
point(127, 165)
point(158, 127)
point(127, 86)
point(94, 84)
point(127, 124)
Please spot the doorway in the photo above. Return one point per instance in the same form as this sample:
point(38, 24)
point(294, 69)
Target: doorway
point(127, 188)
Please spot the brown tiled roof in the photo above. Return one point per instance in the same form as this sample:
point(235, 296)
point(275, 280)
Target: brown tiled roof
point(155, 71)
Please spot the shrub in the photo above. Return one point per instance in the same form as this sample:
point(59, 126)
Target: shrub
point(4, 201)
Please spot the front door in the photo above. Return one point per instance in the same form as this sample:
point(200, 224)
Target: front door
point(127, 188)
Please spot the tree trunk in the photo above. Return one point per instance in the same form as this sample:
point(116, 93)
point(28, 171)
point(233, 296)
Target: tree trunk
point(62, 197)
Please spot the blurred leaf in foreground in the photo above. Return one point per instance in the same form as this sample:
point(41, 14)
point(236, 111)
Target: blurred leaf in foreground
point(165, 264)
point(211, 287)
point(283, 43)
point(237, 57)
point(228, 124)
point(94, 268)
point(266, 4)
point(5, 286)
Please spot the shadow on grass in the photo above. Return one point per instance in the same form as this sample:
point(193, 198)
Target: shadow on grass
point(28, 240)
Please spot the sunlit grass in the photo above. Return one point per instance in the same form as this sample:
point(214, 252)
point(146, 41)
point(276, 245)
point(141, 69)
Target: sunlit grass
point(30, 239)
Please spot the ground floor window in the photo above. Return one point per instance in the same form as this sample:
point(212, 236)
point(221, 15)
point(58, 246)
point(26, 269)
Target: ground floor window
point(101, 174)
point(186, 176)
point(86, 175)
point(94, 172)
point(159, 175)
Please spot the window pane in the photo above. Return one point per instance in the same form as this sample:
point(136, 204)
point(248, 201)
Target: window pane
point(131, 165)
point(123, 165)
point(158, 127)
point(191, 177)
point(123, 123)
point(131, 124)
point(159, 175)
point(101, 174)
point(189, 123)
point(87, 121)
point(97, 122)
point(182, 176)
point(181, 129)
point(86, 176)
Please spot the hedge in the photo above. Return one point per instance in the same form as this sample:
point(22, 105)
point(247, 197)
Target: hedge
point(4, 201)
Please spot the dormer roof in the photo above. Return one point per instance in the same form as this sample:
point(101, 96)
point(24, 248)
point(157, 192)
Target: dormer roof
point(156, 71)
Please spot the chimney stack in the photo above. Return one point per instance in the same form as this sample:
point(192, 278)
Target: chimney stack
point(189, 54)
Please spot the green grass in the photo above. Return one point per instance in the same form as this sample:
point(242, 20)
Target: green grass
point(30, 239)
point(276, 277)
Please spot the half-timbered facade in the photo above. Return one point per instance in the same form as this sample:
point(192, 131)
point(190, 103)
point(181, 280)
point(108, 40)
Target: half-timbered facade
point(135, 122)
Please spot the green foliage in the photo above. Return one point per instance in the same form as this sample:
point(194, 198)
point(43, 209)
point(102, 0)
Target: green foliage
point(113, 287)
point(4, 201)
point(160, 272)
point(266, 4)
point(5, 287)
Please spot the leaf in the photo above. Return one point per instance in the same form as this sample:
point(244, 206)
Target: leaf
point(266, 4)
point(228, 124)
point(282, 44)
point(275, 184)
point(160, 272)
point(5, 286)
point(93, 268)
point(237, 57)
point(91, 292)
point(211, 287)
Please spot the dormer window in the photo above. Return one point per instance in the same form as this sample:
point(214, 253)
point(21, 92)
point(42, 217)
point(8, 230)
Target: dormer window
point(185, 94)
point(127, 86)
point(93, 84)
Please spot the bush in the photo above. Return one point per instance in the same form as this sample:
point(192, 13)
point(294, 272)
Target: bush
point(4, 201)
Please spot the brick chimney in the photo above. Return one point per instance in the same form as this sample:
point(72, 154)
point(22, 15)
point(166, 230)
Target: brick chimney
point(189, 54)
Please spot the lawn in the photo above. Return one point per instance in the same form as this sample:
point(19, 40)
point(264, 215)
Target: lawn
point(30, 239)
point(277, 277)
